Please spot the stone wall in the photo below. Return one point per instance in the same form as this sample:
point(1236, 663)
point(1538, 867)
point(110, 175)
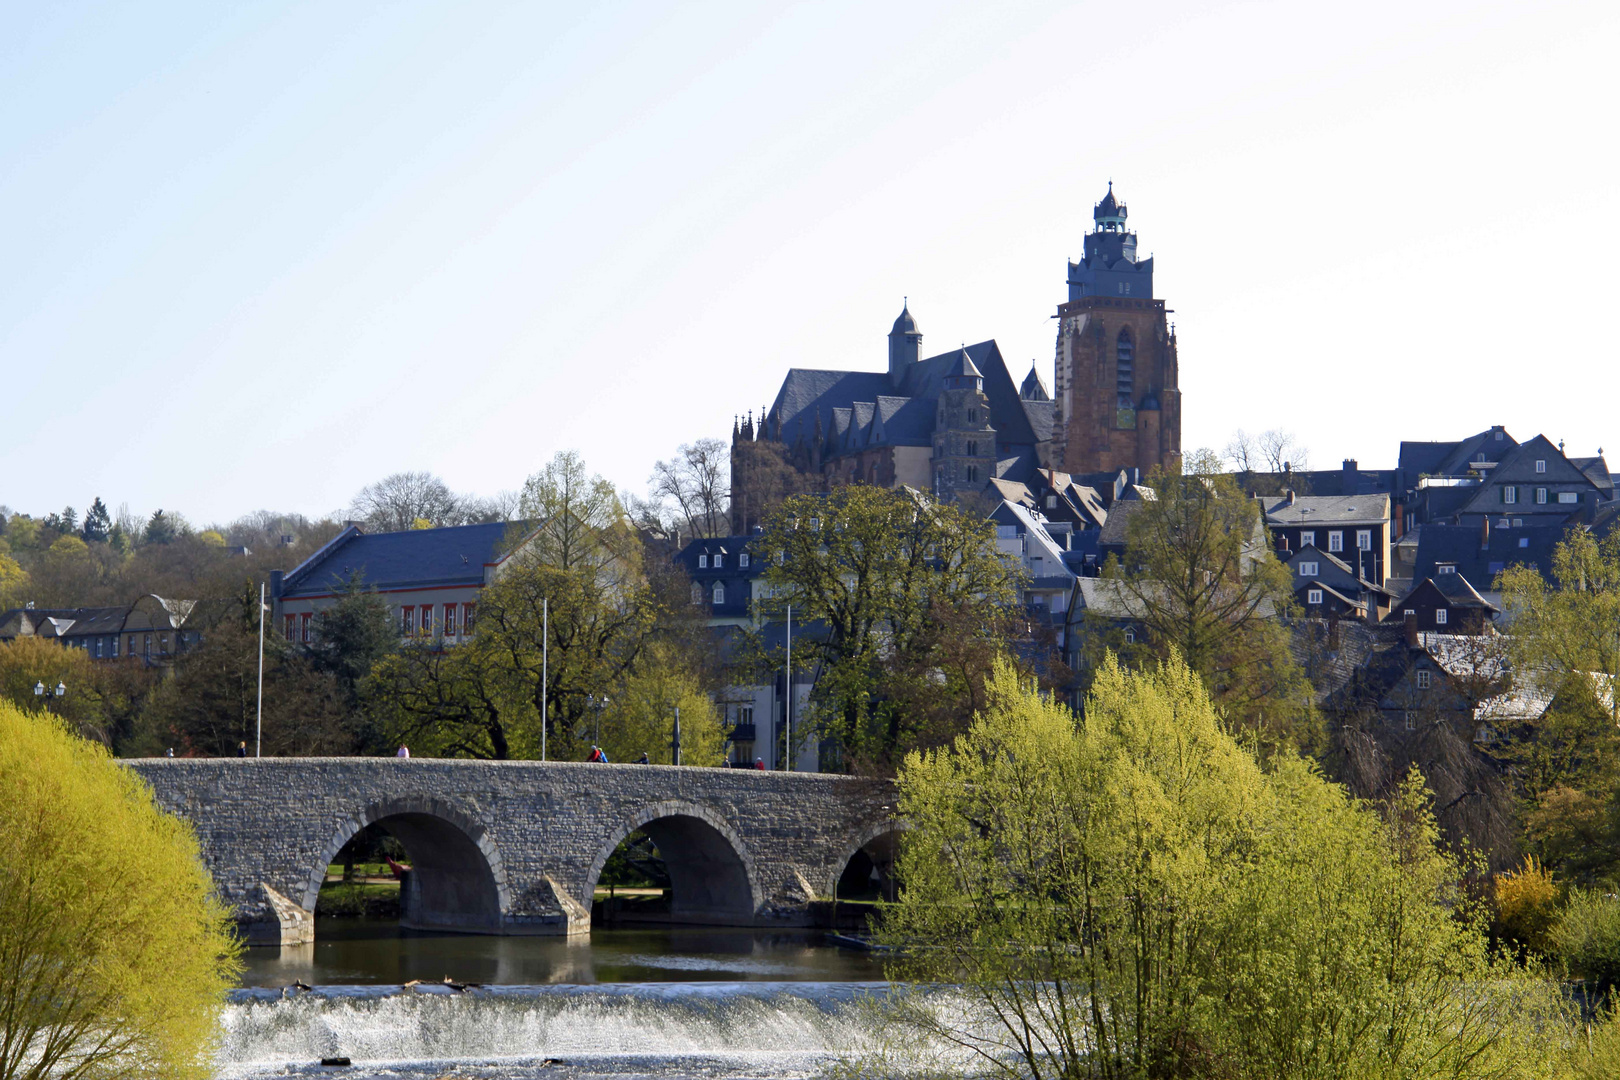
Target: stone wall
point(516, 847)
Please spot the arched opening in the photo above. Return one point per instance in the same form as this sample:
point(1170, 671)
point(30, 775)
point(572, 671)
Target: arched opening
point(449, 877)
point(866, 878)
point(681, 867)
point(1125, 371)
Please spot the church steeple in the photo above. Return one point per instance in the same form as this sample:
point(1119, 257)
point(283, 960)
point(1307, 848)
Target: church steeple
point(1110, 266)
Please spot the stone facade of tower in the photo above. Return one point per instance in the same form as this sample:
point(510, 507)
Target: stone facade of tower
point(964, 439)
point(1118, 405)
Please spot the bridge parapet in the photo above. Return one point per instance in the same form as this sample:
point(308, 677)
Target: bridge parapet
point(516, 847)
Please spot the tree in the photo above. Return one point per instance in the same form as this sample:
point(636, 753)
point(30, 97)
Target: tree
point(696, 484)
point(115, 955)
point(1199, 577)
point(642, 715)
point(394, 503)
point(211, 703)
point(1130, 894)
point(900, 586)
point(579, 523)
point(14, 583)
point(351, 636)
point(762, 478)
point(27, 662)
point(161, 529)
point(97, 523)
point(1564, 642)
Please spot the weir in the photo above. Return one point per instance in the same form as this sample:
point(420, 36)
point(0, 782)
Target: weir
point(516, 847)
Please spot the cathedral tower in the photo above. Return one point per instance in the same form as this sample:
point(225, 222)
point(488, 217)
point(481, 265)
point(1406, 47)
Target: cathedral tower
point(964, 439)
point(1118, 405)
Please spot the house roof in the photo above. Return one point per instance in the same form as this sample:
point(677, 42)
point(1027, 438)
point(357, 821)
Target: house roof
point(416, 558)
point(1306, 511)
point(1480, 555)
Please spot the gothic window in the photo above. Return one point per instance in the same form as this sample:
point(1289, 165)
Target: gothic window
point(1125, 359)
point(973, 474)
point(972, 448)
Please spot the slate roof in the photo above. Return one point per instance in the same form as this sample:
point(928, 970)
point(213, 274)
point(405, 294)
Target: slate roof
point(417, 558)
point(1453, 458)
point(1461, 546)
point(1033, 388)
point(1308, 511)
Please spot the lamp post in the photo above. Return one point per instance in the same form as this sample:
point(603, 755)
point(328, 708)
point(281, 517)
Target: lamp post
point(44, 693)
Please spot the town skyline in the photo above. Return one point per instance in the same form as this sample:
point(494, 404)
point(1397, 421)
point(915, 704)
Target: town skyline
point(651, 217)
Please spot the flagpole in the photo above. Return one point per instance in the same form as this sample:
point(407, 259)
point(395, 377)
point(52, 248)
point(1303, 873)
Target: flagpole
point(788, 706)
point(258, 719)
point(545, 664)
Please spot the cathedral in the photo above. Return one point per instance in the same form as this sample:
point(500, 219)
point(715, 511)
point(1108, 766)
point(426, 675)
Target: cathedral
point(953, 422)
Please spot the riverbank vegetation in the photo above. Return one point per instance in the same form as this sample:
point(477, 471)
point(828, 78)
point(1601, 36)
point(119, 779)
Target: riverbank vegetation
point(115, 954)
point(1133, 893)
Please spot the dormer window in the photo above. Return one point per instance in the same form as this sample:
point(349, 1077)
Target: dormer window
point(703, 562)
point(1446, 568)
point(1307, 538)
point(742, 560)
point(719, 561)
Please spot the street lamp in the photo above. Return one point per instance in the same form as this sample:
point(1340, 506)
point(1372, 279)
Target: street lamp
point(41, 690)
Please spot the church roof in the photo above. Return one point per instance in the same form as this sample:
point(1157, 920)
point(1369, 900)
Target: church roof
point(1110, 206)
point(1033, 387)
point(905, 324)
point(962, 366)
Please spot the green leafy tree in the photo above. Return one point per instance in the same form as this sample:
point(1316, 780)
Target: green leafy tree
point(14, 583)
point(27, 662)
point(161, 529)
point(1131, 895)
point(1199, 578)
point(640, 718)
point(914, 598)
point(115, 954)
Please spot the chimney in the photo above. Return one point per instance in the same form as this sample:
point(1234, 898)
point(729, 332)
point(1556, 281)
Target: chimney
point(1290, 495)
point(1411, 629)
point(275, 584)
point(1485, 534)
point(1282, 545)
point(1347, 486)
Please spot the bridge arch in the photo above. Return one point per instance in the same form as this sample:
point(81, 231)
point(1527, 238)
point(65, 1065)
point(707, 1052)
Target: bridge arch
point(879, 841)
point(458, 880)
point(713, 877)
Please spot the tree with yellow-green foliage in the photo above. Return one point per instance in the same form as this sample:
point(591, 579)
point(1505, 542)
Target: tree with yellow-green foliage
point(13, 582)
point(115, 953)
point(641, 718)
point(1131, 894)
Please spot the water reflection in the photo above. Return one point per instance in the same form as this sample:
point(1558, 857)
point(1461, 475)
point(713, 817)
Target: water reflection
point(356, 952)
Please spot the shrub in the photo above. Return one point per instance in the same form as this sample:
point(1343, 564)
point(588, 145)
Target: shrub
point(1587, 936)
point(114, 952)
point(1526, 905)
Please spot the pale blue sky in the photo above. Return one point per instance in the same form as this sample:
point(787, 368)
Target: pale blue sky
point(258, 255)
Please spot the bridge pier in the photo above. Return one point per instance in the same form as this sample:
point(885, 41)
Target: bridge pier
point(517, 847)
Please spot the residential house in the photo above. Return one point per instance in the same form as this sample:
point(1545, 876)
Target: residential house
point(1445, 603)
point(152, 628)
point(1328, 587)
point(1353, 528)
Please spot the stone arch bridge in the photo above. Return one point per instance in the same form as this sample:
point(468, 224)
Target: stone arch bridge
point(516, 847)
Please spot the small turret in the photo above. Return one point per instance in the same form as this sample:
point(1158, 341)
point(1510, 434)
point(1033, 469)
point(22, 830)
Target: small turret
point(905, 345)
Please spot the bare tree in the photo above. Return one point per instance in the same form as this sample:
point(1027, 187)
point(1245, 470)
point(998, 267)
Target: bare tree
point(398, 502)
point(1277, 450)
point(695, 484)
point(501, 506)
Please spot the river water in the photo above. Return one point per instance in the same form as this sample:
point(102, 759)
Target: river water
point(672, 1004)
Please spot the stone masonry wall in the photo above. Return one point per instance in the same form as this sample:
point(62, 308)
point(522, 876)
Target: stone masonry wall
point(269, 827)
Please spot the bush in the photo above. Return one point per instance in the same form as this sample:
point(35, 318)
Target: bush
point(1526, 905)
point(115, 953)
point(1587, 936)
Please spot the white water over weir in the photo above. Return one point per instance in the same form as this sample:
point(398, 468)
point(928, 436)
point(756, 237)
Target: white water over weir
point(707, 1030)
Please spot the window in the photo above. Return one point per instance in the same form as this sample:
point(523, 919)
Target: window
point(1411, 721)
point(163, 644)
point(1439, 616)
point(1335, 541)
point(703, 562)
point(742, 560)
point(1125, 375)
point(1424, 678)
point(1517, 522)
point(98, 648)
point(1307, 538)
point(973, 474)
point(1363, 539)
point(719, 593)
point(449, 620)
point(304, 622)
point(1409, 611)
point(290, 630)
point(146, 645)
point(1524, 541)
point(466, 620)
point(1510, 494)
point(1541, 465)
point(132, 639)
point(115, 646)
point(1309, 569)
point(1313, 596)
point(1446, 568)
point(426, 629)
point(697, 593)
point(719, 560)
point(1130, 636)
point(1568, 497)
point(407, 621)
point(1541, 496)
point(1051, 502)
